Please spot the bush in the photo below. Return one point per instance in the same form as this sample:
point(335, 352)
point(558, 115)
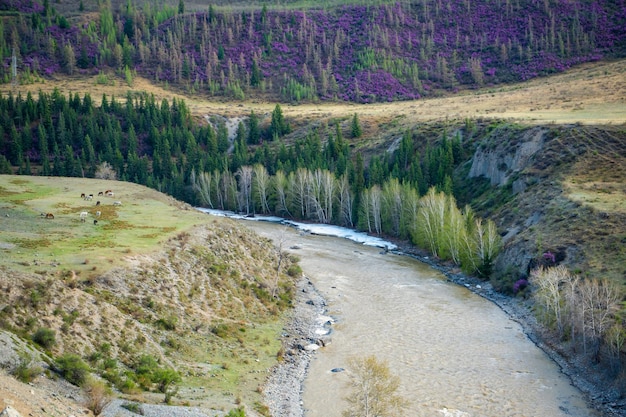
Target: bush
point(167, 323)
point(294, 271)
point(98, 395)
point(236, 412)
point(73, 368)
point(25, 370)
point(133, 408)
point(46, 338)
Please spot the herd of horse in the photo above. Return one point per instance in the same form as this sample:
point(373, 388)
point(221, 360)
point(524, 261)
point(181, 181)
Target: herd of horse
point(88, 197)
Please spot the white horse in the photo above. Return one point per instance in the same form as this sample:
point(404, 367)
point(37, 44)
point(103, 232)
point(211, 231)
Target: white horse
point(83, 216)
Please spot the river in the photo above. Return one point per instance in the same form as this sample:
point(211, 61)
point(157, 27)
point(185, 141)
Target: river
point(456, 354)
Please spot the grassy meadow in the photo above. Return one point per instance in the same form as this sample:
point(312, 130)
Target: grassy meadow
point(592, 93)
point(32, 242)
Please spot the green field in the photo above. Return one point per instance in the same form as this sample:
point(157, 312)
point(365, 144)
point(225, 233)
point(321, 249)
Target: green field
point(30, 242)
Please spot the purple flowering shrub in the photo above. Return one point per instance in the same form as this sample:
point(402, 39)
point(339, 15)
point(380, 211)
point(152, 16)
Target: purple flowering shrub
point(358, 53)
point(549, 258)
point(520, 285)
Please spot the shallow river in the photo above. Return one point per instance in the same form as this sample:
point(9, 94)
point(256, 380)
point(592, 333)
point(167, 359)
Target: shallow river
point(456, 353)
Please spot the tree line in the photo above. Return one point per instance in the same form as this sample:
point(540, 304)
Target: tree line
point(315, 178)
point(583, 314)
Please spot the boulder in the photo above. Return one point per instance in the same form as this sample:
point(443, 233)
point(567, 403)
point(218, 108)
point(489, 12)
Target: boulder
point(10, 412)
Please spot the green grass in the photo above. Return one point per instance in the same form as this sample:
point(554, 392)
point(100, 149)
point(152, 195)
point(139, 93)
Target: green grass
point(143, 221)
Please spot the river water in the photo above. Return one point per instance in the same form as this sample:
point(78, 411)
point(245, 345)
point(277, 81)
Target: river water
point(455, 353)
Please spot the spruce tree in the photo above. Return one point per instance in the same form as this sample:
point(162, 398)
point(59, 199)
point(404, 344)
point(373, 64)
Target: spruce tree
point(254, 133)
point(356, 127)
point(278, 126)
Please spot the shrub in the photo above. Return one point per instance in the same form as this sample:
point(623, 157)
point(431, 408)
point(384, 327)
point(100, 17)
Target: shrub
point(97, 394)
point(221, 330)
point(167, 323)
point(46, 338)
point(294, 271)
point(146, 365)
point(133, 408)
point(73, 368)
point(25, 370)
point(236, 412)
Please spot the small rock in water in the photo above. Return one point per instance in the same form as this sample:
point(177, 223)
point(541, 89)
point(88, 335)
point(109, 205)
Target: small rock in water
point(337, 370)
point(478, 286)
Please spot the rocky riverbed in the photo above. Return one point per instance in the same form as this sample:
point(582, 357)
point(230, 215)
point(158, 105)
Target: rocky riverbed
point(283, 390)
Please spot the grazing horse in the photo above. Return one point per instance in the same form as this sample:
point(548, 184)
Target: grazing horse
point(98, 203)
point(83, 216)
point(89, 197)
point(100, 193)
point(49, 216)
point(95, 221)
point(98, 213)
point(82, 195)
point(117, 203)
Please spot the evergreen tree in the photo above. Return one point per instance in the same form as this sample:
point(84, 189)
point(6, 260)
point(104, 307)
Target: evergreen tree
point(254, 132)
point(356, 127)
point(255, 76)
point(278, 126)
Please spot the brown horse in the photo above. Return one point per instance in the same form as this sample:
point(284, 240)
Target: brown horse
point(49, 216)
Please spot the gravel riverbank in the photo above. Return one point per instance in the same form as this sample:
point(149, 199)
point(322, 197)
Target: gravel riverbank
point(283, 390)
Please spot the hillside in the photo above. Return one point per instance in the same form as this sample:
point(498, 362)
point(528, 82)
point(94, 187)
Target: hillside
point(154, 285)
point(359, 52)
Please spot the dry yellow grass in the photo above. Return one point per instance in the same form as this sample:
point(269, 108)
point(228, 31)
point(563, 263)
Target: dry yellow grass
point(593, 93)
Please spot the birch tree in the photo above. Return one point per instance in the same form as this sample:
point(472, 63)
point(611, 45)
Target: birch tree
point(281, 185)
point(597, 300)
point(366, 209)
point(346, 201)
point(227, 190)
point(375, 208)
point(411, 198)
point(299, 182)
point(261, 187)
point(315, 196)
point(548, 294)
point(488, 243)
point(244, 195)
point(454, 230)
point(374, 390)
point(392, 205)
point(202, 185)
point(430, 220)
point(322, 194)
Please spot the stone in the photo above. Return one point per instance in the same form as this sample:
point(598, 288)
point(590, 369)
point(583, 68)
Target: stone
point(10, 412)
